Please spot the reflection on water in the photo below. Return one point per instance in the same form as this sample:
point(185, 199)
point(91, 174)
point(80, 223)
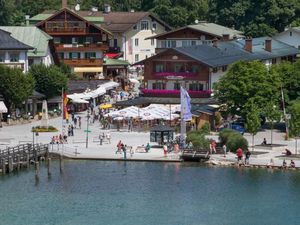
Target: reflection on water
point(103, 192)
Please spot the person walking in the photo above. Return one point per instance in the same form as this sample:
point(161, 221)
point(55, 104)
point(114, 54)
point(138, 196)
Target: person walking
point(124, 150)
point(101, 139)
point(75, 122)
point(165, 148)
point(239, 153)
point(119, 146)
point(248, 154)
point(108, 137)
point(214, 145)
point(79, 122)
point(224, 147)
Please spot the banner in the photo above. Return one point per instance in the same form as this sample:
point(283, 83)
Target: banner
point(185, 102)
point(65, 109)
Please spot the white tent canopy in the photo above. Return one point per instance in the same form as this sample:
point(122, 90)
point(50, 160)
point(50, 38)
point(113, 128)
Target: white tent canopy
point(128, 112)
point(3, 108)
point(109, 85)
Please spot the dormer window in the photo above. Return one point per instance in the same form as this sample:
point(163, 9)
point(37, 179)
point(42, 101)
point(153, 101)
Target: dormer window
point(154, 26)
point(134, 27)
point(144, 25)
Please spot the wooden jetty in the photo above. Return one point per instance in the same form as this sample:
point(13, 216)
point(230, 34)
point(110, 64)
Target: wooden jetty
point(195, 155)
point(15, 158)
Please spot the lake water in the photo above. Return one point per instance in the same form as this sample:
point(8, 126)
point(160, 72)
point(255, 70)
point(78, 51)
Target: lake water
point(140, 193)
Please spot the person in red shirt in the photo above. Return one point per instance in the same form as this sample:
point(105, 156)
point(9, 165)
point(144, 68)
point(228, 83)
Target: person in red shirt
point(239, 153)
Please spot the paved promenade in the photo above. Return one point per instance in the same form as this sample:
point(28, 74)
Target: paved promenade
point(76, 147)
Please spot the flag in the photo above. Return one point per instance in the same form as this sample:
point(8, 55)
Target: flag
point(185, 102)
point(65, 109)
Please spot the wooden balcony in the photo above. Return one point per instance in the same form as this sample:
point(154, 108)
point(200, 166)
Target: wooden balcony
point(83, 62)
point(72, 27)
point(81, 47)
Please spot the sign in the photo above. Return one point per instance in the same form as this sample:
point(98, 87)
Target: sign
point(87, 131)
point(174, 77)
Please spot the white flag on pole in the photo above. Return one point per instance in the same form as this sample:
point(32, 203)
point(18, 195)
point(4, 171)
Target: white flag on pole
point(185, 102)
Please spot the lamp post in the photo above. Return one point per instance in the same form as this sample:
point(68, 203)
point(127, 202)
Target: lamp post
point(87, 129)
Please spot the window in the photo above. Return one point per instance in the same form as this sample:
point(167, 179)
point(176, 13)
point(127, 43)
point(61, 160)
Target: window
point(185, 43)
point(89, 40)
point(136, 57)
point(152, 42)
point(196, 87)
point(274, 61)
point(178, 68)
point(195, 69)
point(291, 33)
point(61, 55)
point(171, 44)
point(144, 25)
point(90, 55)
point(2, 57)
point(57, 40)
point(136, 42)
point(74, 55)
point(224, 68)
point(159, 85)
point(134, 27)
point(154, 26)
point(14, 57)
point(193, 43)
point(215, 69)
point(159, 68)
point(176, 86)
point(74, 40)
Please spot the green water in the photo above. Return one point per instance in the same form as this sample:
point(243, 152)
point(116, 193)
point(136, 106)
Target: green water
point(137, 193)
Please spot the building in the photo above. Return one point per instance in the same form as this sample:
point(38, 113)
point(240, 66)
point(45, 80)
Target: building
point(78, 43)
point(197, 68)
point(192, 35)
point(13, 53)
point(39, 40)
point(290, 36)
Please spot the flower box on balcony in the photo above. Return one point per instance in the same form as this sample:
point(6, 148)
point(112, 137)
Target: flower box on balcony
point(159, 92)
point(169, 74)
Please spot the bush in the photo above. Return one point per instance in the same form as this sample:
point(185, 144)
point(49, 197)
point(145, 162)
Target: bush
point(44, 129)
point(233, 140)
point(198, 139)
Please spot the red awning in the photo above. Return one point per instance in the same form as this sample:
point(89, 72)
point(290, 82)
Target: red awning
point(112, 55)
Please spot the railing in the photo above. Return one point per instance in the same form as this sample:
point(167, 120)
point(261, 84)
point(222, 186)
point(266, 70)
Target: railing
point(180, 74)
point(83, 62)
point(65, 27)
point(81, 47)
point(173, 93)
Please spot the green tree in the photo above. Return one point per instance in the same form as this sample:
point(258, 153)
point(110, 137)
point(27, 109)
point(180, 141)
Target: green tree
point(245, 81)
point(49, 80)
point(273, 115)
point(294, 110)
point(253, 122)
point(15, 86)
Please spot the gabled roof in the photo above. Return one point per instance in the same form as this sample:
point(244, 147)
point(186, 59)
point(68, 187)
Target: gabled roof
point(208, 28)
point(231, 51)
point(7, 42)
point(113, 21)
point(75, 14)
point(32, 36)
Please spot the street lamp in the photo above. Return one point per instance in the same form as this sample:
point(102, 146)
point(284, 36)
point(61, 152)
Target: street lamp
point(87, 129)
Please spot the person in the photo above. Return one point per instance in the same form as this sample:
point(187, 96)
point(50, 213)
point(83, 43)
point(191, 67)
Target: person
point(101, 139)
point(284, 164)
point(248, 154)
point(292, 164)
point(108, 137)
point(72, 130)
point(119, 146)
point(75, 122)
point(147, 148)
point(124, 150)
point(176, 147)
point(79, 122)
point(271, 163)
point(264, 142)
point(288, 152)
point(165, 148)
point(224, 147)
point(214, 145)
point(130, 124)
point(190, 145)
point(239, 153)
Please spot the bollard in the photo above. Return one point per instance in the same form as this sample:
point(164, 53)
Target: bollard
point(3, 166)
point(48, 166)
point(61, 163)
point(37, 171)
point(18, 162)
point(10, 164)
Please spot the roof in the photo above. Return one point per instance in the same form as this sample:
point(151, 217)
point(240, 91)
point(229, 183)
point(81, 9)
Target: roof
point(209, 28)
point(203, 109)
point(82, 85)
point(113, 21)
point(229, 52)
point(32, 36)
point(7, 42)
point(115, 62)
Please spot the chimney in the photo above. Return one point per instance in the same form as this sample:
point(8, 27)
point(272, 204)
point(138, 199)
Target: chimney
point(226, 37)
point(64, 3)
point(215, 42)
point(268, 45)
point(107, 8)
point(27, 20)
point(248, 44)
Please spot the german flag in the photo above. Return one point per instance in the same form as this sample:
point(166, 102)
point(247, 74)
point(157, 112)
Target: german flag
point(65, 109)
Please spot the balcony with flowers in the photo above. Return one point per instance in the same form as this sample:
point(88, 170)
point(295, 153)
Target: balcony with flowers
point(175, 93)
point(175, 74)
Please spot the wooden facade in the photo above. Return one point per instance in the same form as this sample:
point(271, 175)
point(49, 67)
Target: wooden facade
point(77, 42)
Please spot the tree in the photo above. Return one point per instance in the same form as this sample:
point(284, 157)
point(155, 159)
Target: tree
point(245, 81)
point(15, 86)
point(272, 114)
point(294, 110)
point(49, 80)
point(253, 122)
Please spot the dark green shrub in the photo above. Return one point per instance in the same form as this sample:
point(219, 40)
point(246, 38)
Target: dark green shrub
point(236, 140)
point(224, 135)
point(198, 139)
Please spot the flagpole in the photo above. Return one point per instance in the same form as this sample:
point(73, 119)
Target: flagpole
point(63, 111)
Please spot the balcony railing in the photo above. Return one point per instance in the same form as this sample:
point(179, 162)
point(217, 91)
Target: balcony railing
point(65, 27)
point(175, 93)
point(83, 62)
point(174, 74)
point(81, 47)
